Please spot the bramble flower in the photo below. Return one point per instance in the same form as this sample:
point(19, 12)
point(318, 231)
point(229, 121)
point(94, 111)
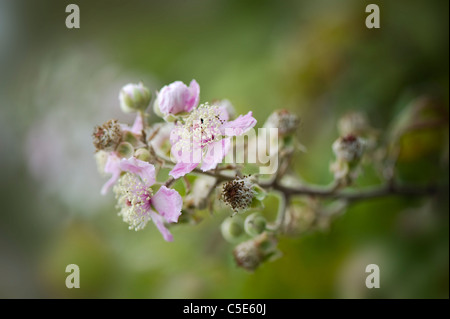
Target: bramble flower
point(137, 202)
point(177, 97)
point(204, 136)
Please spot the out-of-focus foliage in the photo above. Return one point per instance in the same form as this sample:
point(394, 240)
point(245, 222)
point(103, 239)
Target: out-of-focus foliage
point(315, 58)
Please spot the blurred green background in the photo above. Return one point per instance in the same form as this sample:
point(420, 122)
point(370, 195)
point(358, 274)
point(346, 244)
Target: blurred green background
point(315, 58)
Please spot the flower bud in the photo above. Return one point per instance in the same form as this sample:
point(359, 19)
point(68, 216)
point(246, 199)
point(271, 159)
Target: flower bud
point(125, 150)
point(348, 151)
point(255, 224)
point(232, 228)
point(176, 98)
point(134, 97)
point(142, 154)
point(107, 136)
point(252, 253)
point(349, 148)
point(285, 121)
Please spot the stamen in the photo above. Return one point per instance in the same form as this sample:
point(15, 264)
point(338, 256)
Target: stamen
point(200, 128)
point(133, 200)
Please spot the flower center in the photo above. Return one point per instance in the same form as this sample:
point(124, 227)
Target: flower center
point(133, 200)
point(200, 128)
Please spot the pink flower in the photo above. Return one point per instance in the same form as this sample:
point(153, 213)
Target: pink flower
point(137, 202)
point(177, 97)
point(205, 137)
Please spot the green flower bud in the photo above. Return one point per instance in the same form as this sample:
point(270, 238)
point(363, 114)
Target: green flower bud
point(255, 224)
point(232, 229)
point(125, 150)
point(142, 154)
point(156, 108)
point(134, 98)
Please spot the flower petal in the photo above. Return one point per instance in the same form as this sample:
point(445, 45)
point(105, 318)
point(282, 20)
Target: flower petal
point(159, 223)
point(177, 97)
point(194, 96)
point(144, 170)
point(112, 166)
point(215, 153)
point(138, 124)
point(181, 169)
point(168, 203)
point(239, 126)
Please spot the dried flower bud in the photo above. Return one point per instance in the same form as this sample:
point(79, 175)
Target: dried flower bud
point(232, 228)
point(348, 151)
point(238, 193)
point(252, 253)
point(353, 123)
point(349, 148)
point(285, 121)
point(134, 97)
point(255, 224)
point(107, 136)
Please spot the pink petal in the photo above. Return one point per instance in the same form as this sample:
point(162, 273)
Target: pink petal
point(112, 166)
point(175, 134)
point(159, 223)
point(181, 169)
point(215, 153)
point(194, 96)
point(138, 124)
point(239, 125)
point(188, 155)
point(168, 203)
point(177, 97)
point(144, 170)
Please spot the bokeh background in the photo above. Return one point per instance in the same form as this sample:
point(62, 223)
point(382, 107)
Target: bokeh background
point(315, 58)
